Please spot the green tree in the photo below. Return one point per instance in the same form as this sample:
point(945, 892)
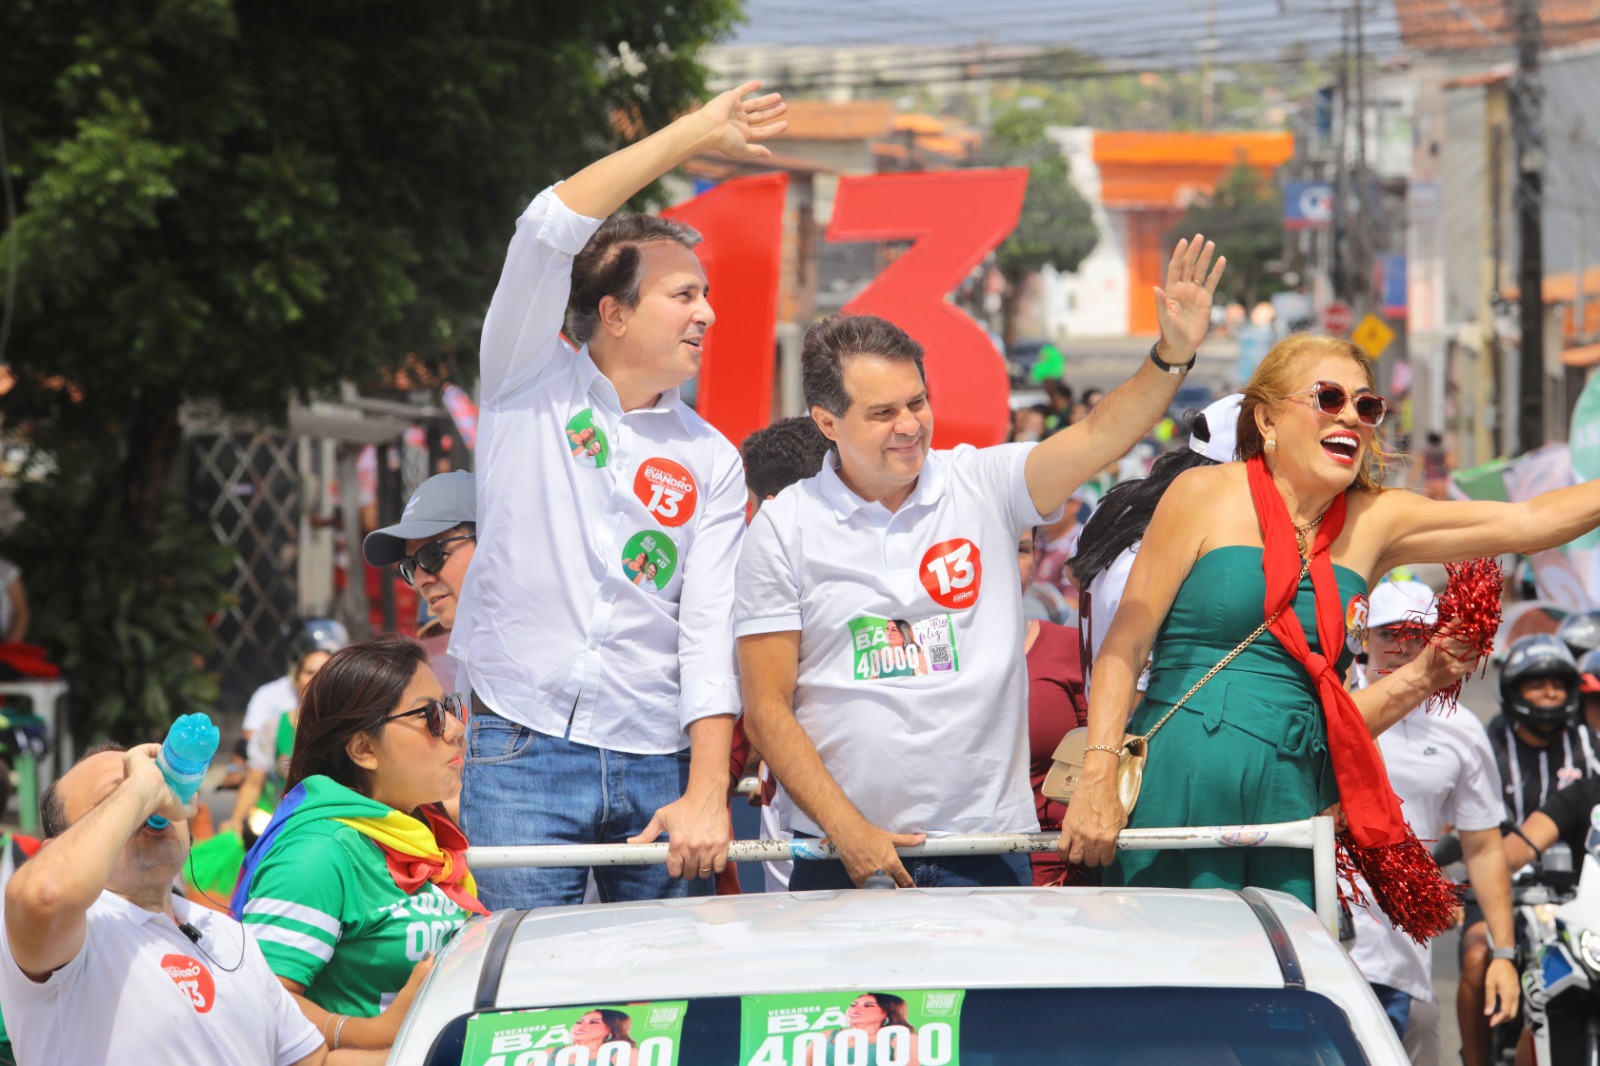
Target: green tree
point(1057, 226)
point(232, 202)
point(1244, 215)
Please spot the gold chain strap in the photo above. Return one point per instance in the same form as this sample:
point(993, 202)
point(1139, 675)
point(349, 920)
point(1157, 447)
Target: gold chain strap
point(1305, 568)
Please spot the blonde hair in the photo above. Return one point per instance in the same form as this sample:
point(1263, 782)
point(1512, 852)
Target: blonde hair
point(1278, 375)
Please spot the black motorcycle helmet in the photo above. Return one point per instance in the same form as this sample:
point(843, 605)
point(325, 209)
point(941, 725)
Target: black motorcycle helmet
point(1580, 632)
point(1539, 655)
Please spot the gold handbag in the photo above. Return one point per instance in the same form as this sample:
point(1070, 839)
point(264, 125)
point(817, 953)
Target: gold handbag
point(1067, 766)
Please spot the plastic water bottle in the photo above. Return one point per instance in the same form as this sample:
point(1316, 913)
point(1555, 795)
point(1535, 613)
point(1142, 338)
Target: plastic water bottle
point(185, 757)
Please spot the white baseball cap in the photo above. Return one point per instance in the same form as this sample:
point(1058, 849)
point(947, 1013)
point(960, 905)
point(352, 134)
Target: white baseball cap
point(1214, 432)
point(1394, 602)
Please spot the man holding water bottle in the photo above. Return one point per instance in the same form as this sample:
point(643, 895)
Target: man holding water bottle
point(99, 960)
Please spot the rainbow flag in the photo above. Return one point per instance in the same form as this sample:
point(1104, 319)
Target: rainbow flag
point(417, 850)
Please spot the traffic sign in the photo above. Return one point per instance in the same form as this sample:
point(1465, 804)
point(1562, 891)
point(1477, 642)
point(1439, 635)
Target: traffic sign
point(1336, 317)
point(1373, 335)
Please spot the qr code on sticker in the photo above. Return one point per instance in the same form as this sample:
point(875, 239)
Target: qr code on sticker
point(664, 1017)
point(939, 654)
point(940, 1002)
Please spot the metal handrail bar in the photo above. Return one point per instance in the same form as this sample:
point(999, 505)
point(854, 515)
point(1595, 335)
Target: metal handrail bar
point(1315, 834)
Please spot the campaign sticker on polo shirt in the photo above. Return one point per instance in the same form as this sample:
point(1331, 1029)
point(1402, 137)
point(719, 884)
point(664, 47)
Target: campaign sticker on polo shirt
point(586, 440)
point(667, 491)
point(894, 647)
point(1355, 623)
point(649, 558)
point(192, 979)
point(952, 572)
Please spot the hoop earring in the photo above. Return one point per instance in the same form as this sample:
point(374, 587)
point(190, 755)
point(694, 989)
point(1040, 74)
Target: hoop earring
point(1270, 445)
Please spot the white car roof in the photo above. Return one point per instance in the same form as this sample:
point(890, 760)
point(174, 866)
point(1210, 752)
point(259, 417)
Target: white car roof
point(909, 938)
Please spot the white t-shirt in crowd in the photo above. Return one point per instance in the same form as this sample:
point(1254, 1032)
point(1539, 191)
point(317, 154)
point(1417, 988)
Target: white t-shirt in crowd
point(596, 606)
point(1442, 768)
point(912, 682)
point(1105, 596)
point(141, 991)
point(269, 701)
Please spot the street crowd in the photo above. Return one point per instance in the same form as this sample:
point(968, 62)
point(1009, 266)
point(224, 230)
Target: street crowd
point(638, 611)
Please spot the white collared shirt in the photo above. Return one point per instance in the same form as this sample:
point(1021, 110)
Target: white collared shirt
point(598, 594)
point(140, 991)
point(929, 735)
point(1443, 770)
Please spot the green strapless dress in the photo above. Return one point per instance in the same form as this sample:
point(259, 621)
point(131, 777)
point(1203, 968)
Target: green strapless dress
point(1250, 747)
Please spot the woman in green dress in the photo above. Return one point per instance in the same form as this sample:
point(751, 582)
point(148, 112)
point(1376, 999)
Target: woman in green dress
point(1273, 736)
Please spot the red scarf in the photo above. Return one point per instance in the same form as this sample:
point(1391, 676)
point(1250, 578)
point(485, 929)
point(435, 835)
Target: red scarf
point(1379, 844)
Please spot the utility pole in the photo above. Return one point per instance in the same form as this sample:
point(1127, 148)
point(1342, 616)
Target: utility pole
point(1339, 235)
point(1529, 139)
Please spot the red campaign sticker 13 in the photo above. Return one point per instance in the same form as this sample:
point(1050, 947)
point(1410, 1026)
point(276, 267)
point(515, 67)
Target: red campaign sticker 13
point(952, 572)
point(667, 491)
point(192, 979)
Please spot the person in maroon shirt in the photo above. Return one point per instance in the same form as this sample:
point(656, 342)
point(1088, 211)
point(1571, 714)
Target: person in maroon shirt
point(1056, 704)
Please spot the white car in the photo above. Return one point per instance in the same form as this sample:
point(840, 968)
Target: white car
point(913, 977)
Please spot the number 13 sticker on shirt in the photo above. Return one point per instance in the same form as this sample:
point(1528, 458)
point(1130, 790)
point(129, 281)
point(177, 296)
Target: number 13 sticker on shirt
point(649, 558)
point(952, 572)
point(667, 491)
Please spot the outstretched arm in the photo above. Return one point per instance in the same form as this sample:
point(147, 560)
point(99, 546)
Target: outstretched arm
point(1058, 466)
point(728, 124)
point(1420, 530)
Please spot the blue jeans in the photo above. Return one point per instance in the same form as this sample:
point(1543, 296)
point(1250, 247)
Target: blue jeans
point(525, 787)
point(1396, 1004)
point(958, 871)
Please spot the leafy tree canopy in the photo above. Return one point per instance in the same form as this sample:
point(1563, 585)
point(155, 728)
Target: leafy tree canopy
point(234, 201)
point(1244, 215)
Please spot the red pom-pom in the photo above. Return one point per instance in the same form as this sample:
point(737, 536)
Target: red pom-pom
point(1470, 607)
point(1404, 881)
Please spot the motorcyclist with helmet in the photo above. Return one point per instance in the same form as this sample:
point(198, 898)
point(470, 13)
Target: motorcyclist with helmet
point(269, 738)
point(1589, 685)
point(1539, 747)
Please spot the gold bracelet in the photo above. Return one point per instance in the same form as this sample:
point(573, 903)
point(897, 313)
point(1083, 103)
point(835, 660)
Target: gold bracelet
point(325, 1023)
point(338, 1030)
point(1117, 751)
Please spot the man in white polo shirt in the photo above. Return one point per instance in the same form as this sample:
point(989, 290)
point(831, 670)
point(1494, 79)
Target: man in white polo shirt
point(883, 673)
point(99, 963)
point(1443, 770)
point(593, 625)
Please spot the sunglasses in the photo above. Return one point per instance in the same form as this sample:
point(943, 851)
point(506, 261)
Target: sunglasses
point(1330, 398)
point(435, 712)
point(429, 558)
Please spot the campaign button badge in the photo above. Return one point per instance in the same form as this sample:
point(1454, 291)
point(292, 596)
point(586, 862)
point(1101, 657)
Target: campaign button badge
point(586, 440)
point(667, 490)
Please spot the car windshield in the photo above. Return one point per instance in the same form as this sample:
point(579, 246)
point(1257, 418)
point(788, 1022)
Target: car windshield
point(925, 1027)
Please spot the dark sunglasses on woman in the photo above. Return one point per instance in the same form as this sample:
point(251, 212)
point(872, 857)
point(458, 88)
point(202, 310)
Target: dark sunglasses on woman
point(429, 558)
point(435, 711)
point(1329, 397)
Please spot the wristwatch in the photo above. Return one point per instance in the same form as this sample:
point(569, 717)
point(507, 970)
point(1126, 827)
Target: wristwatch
point(1179, 369)
point(1509, 954)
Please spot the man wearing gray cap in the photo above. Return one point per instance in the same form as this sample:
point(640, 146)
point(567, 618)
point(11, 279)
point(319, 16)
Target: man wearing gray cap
point(433, 543)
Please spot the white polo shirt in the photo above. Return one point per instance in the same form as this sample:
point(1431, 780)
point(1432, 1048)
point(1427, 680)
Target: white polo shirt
point(267, 702)
point(1442, 768)
point(928, 734)
point(141, 991)
point(598, 594)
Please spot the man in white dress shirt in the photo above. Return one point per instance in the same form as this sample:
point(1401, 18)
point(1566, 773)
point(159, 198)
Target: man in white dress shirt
point(593, 626)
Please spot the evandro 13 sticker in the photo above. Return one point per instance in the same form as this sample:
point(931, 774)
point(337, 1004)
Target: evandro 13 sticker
point(667, 490)
point(952, 572)
point(586, 440)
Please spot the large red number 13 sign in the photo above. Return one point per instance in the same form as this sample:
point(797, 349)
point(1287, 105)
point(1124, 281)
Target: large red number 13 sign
point(955, 219)
point(952, 218)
